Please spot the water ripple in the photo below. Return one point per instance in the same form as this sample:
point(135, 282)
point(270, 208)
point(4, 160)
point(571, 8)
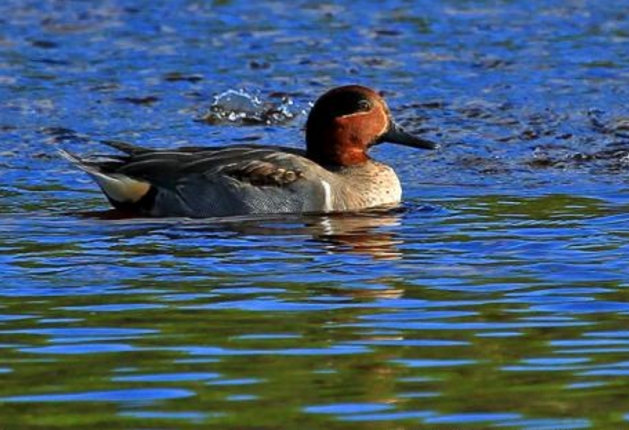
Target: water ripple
point(117, 396)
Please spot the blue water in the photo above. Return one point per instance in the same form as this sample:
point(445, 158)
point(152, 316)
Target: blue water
point(494, 297)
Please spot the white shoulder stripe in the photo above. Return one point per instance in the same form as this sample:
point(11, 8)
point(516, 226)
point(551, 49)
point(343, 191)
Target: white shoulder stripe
point(327, 189)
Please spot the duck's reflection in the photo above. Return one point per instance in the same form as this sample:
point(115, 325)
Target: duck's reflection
point(370, 233)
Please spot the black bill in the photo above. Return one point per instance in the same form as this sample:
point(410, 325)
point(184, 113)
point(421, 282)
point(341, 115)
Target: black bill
point(396, 134)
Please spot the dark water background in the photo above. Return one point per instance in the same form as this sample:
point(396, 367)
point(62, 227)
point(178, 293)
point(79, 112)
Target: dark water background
point(495, 298)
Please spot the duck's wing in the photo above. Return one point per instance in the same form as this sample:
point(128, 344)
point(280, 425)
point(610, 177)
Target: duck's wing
point(203, 181)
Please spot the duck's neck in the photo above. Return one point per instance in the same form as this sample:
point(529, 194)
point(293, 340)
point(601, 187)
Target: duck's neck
point(337, 157)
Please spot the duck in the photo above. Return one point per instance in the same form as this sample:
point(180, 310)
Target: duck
point(333, 174)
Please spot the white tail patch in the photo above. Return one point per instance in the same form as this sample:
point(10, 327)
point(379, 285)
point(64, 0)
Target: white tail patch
point(118, 187)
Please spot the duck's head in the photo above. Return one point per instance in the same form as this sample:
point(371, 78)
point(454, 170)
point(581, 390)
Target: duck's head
point(346, 121)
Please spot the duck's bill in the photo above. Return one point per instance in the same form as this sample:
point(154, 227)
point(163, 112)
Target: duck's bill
point(396, 134)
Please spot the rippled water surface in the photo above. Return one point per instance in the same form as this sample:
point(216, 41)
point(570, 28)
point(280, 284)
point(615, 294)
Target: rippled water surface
point(495, 297)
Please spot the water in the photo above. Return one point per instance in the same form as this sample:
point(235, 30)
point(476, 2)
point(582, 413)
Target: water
point(494, 298)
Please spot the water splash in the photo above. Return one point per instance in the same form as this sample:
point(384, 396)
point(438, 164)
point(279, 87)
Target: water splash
point(243, 108)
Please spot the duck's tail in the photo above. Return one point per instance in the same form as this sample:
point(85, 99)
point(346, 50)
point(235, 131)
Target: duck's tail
point(118, 187)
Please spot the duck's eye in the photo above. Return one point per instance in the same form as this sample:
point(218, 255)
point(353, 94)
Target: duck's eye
point(364, 105)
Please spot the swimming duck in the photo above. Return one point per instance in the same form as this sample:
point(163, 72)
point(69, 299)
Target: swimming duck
point(333, 174)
